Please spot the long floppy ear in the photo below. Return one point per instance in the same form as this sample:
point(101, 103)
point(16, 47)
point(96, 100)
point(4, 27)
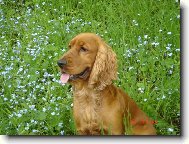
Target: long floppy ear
point(104, 68)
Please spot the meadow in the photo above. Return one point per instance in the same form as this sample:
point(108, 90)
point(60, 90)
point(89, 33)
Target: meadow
point(35, 33)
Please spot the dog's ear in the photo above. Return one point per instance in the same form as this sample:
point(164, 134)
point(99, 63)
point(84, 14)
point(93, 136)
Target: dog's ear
point(104, 68)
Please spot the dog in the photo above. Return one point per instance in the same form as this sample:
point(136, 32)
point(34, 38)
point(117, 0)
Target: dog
point(99, 107)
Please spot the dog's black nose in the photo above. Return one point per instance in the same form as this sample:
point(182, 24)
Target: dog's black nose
point(61, 63)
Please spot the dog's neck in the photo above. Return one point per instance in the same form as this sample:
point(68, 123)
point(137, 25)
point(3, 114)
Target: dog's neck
point(78, 84)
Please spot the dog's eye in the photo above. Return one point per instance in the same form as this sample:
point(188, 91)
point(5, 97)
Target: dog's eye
point(82, 49)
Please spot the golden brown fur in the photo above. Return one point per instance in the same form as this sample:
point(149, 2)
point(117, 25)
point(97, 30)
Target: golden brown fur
point(99, 106)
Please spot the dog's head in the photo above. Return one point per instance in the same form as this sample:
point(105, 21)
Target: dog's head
point(89, 59)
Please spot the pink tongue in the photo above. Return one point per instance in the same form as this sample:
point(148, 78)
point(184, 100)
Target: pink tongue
point(64, 78)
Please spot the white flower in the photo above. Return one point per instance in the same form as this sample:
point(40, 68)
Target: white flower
point(155, 43)
point(60, 124)
point(145, 36)
point(19, 115)
point(163, 97)
point(145, 42)
point(37, 86)
point(130, 68)
point(34, 131)
point(169, 33)
point(170, 54)
point(44, 109)
point(53, 113)
point(141, 90)
point(168, 48)
point(32, 107)
point(170, 129)
point(145, 99)
point(62, 132)
point(169, 44)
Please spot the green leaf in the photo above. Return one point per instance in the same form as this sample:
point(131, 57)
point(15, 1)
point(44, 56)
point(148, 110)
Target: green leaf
point(41, 116)
point(140, 85)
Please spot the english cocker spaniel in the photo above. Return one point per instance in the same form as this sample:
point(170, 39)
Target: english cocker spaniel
point(99, 107)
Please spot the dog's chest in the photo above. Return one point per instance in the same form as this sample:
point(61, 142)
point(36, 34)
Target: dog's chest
point(87, 106)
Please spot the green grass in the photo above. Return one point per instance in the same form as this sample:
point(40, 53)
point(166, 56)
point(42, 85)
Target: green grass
point(35, 33)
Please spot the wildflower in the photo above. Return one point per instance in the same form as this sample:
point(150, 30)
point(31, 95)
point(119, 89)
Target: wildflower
point(130, 68)
point(53, 113)
point(25, 110)
point(155, 43)
point(20, 69)
point(145, 42)
point(169, 44)
point(44, 99)
point(145, 99)
point(34, 130)
point(169, 33)
point(141, 90)
point(170, 72)
point(32, 107)
point(135, 22)
point(168, 48)
point(62, 132)
point(139, 39)
point(170, 54)
point(60, 124)
point(170, 129)
point(163, 97)
point(37, 86)
point(19, 115)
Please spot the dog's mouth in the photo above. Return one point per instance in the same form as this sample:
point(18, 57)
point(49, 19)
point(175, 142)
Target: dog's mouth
point(65, 77)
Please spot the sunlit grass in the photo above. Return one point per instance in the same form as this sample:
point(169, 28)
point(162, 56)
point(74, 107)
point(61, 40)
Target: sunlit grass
point(34, 34)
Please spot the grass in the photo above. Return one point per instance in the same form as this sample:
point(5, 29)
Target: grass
point(35, 33)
